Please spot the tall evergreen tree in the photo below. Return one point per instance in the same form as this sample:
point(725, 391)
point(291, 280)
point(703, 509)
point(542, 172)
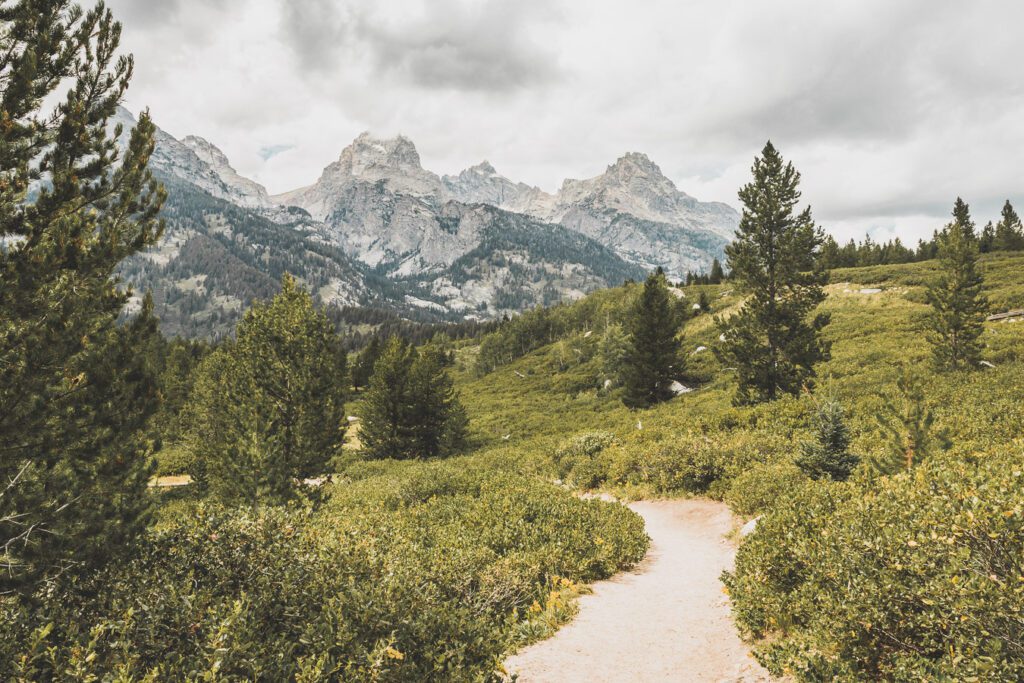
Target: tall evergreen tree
point(962, 217)
point(828, 455)
point(653, 358)
point(716, 275)
point(774, 257)
point(385, 430)
point(362, 368)
point(958, 305)
point(411, 409)
point(1009, 235)
point(987, 241)
point(830, 254)
point(75, 387)
point(268, 407)
point(437, 416)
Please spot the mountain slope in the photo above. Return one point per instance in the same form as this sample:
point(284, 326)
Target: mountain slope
point(376, 230)
point(631, 208)
point(380, 203)
point(384, 208)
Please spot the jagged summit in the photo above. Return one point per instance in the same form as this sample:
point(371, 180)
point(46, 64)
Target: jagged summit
point(368, 159)
point(247, 192)
point(636, 165)
point(196, 161)
point(483, 168)
point(379, 203)
point(482, 184)
point(369, 155)
point(206, 150)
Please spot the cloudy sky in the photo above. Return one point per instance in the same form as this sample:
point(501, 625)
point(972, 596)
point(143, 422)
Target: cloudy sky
point(889, 108)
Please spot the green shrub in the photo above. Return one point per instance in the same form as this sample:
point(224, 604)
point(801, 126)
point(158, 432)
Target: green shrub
point(915, 577)
point(691, 466)
point(174, 459)
point(759, 488)
point(413, 572)
point(580, 460)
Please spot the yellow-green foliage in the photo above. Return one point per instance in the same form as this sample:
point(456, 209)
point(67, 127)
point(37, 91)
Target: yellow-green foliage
point(410, 572)
point(915, 577)
point(843, 580)
point(418, 571)
point(536, 403)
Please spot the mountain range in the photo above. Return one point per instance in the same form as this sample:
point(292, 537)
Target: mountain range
point(378, 230)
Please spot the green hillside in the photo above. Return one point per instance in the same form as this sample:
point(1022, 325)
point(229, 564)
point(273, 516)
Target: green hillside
point(536, 398)
point(913, 576)
point(414, 570)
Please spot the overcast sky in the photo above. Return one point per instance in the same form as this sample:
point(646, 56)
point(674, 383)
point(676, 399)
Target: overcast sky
point(890, 109)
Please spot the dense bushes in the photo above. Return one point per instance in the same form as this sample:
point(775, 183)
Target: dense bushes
point(417, 572)
point(759, 487)
point(658, 463)
point(533, 329)
point(915, 577)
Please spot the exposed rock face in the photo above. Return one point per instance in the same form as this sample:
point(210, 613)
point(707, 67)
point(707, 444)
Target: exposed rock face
point(375, 230)
point(631, 208)
point(380, 202)
point(481, 184)
point(378, 229)
point(635, 185)
point(199, 163)
point(240, 190)
point(391, 166)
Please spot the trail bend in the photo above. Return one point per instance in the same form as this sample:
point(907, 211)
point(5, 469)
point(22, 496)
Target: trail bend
point(666, 620)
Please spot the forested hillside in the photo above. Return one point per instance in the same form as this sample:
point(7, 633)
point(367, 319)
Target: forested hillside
point(326, 493)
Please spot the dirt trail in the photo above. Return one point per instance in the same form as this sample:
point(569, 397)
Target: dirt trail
point(667, 620)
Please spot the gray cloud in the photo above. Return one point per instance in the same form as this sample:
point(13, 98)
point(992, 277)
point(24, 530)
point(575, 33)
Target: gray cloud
point(470, 46)
point(890, 110)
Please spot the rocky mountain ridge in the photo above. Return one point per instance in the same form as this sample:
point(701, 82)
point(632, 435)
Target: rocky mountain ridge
point(376, 230)
point(381, 202)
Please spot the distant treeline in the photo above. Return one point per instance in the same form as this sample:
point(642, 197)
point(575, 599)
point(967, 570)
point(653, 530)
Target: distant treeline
point(1007, 234)
point(358, 325)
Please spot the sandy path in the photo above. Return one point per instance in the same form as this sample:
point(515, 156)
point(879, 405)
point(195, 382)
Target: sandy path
point(667, 620)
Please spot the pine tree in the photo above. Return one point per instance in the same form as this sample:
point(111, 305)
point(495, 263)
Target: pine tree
point(362, 368)
point(1009, 235)
point(828, 455)
point(268, 407)
point(411, 409)
point(775, 258)
point(962, 217)
point(716, 275)
point(987, 241)
point(704, 302)
point(653, 359)
point(437, 416)
point(384, 430)
point(830, 256)
point(73, 393)
point(908, 428)
point(958, 305)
